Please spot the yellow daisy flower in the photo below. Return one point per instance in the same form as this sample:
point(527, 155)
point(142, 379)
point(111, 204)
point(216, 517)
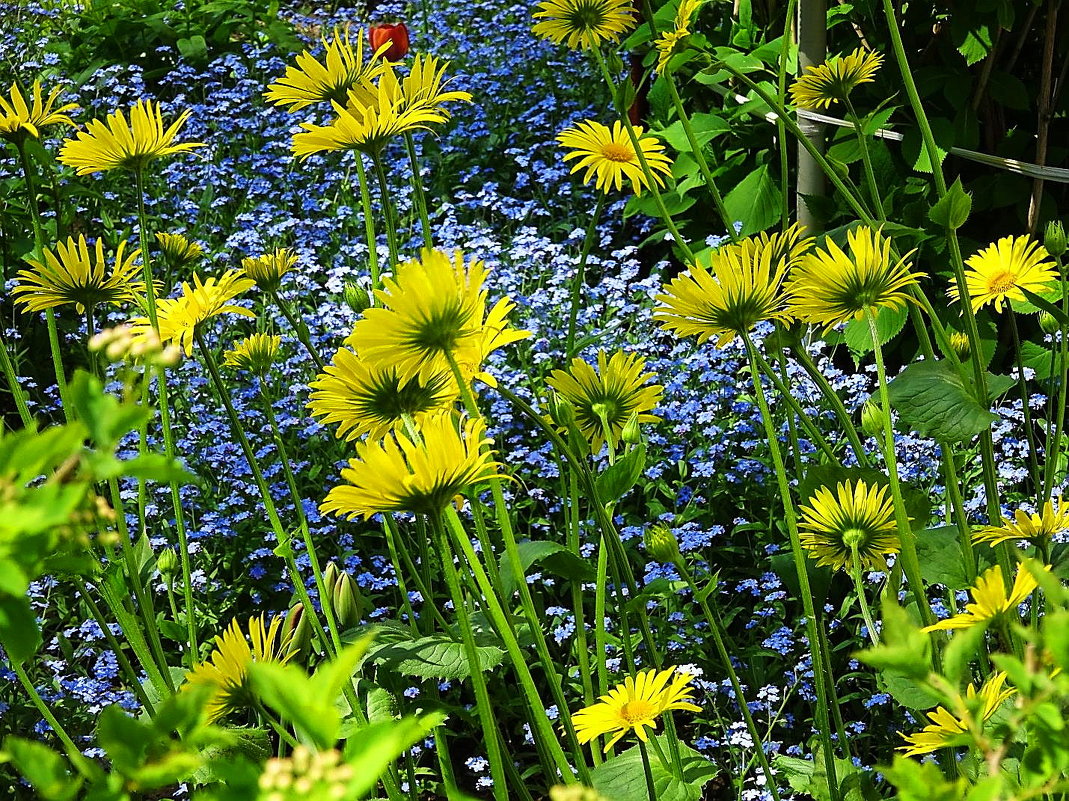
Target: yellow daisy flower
point(670, 42)
point(741, 288)
point(255, 353)
point(19, 118)
point(178, 251)
point(583, 24)
point(494, 333)
point(999, 272)
point(1033, 527)
point(636, 704)
point(226, 669)
point(312, 81)
point(267, 270)
point(856, 523)
point(947, 729)
point(399, 475)
point(117, 143)
point(604, 399)
point(365, 128)
point(833, 81)
point(830, 287)
point(424, 87)
point(180, 317)
point(71, 274)
point(366, 399)
point(989, 599)
point(607, 155)
point(787, 246)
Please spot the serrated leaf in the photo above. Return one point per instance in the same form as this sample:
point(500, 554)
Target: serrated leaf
point(953, 209)
point(933, 398)
point(555, 557)
point(705, 127)
point(622, 778)
point(889, 323)
point(754, 201)
point(434, 657)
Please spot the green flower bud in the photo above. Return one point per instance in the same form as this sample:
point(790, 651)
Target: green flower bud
point(872, 419)
point(661, 543)
point(297, 632)
point(1054, 239)
point(167, 563)
point(961, 345)
point(561, 410)
point(1048, 323)
point(347, 603)
point(631, 433)
point(356, 297)
point(330, 578)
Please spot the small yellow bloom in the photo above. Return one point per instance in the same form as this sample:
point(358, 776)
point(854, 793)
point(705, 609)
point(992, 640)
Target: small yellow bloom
point(116, 143)
point(583, 24)
point(989, 599)
point(1036, 528)
point(608, 155)
point(267, 270)
point(71, 274)
point(833, 81)
point(636, 704)
point(178, 251)
point(788, 246)
point(998, 272)
point(671, 42)
point(255, 353)
point(854, 528)
point(947, 729)
point(19, 119)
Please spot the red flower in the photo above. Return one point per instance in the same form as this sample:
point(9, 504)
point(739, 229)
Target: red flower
point(394, 34)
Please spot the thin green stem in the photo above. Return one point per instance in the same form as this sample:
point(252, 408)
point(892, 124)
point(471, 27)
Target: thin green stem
point(854, 569)
point(781, 129)
point(647, 771)
point(73, 752)
point(386, 201)
point(57, 362)
point(1054, 447)
point(866, 160)
point(1030, 436)
point(276, 724)
point(838, 407)
point(13, 383)
point(582, 651)
point(299, 329)
point(579, 279)
point(417, 190)
point(369, 226)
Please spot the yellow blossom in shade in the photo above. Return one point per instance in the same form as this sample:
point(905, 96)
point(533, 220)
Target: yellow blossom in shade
point(787, 246)
point(178, 251)
point(999, 272)
point(947, 729)
point(494, 333)
point(118, 143)
point(583, 24)
point(832, 82)
point(990, 600)
point(180, 317)
point(255, 353)
point(608, 156)
point(1037, 528)
point(267, 270)
point(365, 399)
point(74, 274)
point(312, 81)
point(226, 669)
point(635, 705)
point(855, 523)
point(399, 475)
point(604, 399)
point(670, 42)
point(19, 118)
point(742, 287)
point(830, 287)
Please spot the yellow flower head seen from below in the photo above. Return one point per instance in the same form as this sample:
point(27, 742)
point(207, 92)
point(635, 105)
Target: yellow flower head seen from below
point(608, 155)
point(742, 287)
point(366, 399)
point(604, 399)
point(180, 317)
point(998, 272)
point(583, 24)
point(178, 251)
point(226, 669)
point(990, 600)
point(74, 274)
point(423, 88)
point(830, 287)
point(399, 475)
point(635, 705)
point(947, 729)
point(852, 528)
point(494, 333)
point(788, 246)
point(255, 353)
point(671, 42)
point(1036, 528)
point(312, 81)
point(833, 81)
point(20, 119)
point(267, 270)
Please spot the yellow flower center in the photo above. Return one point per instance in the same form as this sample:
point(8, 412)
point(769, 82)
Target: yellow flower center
point(614, 151)
point(638, 710)
point(1002, 282)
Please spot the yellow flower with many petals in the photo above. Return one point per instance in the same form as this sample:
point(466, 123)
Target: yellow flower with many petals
point(494, 333)
point(399, 475)
point(118, 143)
point(608, 155)
point(788, 246)
point(267, 270)
point(833, 81)
point(226, 669)
point(179, 318)
point(830, 287)
point(72, 274)
point(852, 528)
point(990, 600)
point(605, 399)
point(670, 42)
point(178, 251)
point(998, 272)
point(20, 119)
point(424, 87)
point(583, 24)
point(1036, 528)
point(635, 705)
point(947, 729)
point(255, 353)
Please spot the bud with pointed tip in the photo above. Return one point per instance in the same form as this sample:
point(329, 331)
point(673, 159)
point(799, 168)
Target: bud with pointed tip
point(297, 632)
point(1054, 239)
point(1048, 323)
point(167, 563)
point(346, 600)
point(330, 578)
point(356, 297)
point(631, 433)
point(661, 543)
point(960, 344)
point(872, 419)
point(561, 410)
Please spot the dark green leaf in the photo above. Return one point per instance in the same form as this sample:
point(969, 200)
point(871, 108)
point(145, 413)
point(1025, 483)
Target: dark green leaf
point(755, 201)
point(953, 209)
point(622, 778)
point(555, 557)
point(618, 478)
point(434, 657)
point(934, 399)
point(19, 633)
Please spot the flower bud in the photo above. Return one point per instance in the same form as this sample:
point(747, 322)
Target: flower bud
point(631, 433)
point(393, 34)
point(346, 599)
point(661, 543)
point(297, 632)
point(1048, 323)
point(960, 344)
point(1054, 239)
point(561, 410)
point(872, 419)
point(167, 563)
point(356, 297)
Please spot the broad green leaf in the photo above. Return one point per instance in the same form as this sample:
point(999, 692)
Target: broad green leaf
point(619, 477)
point(705, 127)
point(903, 649)
point(371, 750)
point(19, 633)
point(906, 691)
point(941, 558)
point(553, 556)
point(917, 781)
point(288, 689)
point(434, 657)
point(934, 399)
point(913, 146)
point(43, 768)
point(953, 209)
point(622, 778)
point(889, 324)
point(123, 737)
point(754, 201)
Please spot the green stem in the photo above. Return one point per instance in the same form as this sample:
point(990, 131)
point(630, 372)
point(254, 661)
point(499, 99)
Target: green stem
point(1054, 447)
point(579, 279)
point(582, 651)
point(781, 129)
point(299, 329)
point(828, 391)
point(13, 383)
point(647, 771)
point(387, 210)
point(854, 569)
point(73, 752)
point(276, 724)
point(417, 190)
point(866, 160)
point(57, 362)
point(369, 227)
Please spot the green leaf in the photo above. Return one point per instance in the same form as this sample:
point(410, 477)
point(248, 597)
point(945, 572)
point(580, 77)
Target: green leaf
point(755, 201)
point(923, 781)
point(889, 323)
point(619, 477)
point(106, 417)
point(906, 691)
point(1046, 306)
point(706, 127)
point(960, 651)
point(287, 689)
point(934, 399)
point(555, 557)
point(904, 648)
point(622, 778)
point(913, 146)
point(19, 633)
point(434, 657)
point(941, 557)
point(953, 209)
point(43, 768)
point(330, 678)
point(810, 777)
point(123, 737)
point(372, 749)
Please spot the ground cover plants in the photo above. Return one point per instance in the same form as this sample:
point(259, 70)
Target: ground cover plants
point(400, 412)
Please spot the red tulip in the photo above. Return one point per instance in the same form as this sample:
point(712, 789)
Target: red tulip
point(394, 34)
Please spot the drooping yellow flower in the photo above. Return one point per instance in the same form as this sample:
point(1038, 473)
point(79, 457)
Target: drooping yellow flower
point(636, 704)
point(1036, 528)
point(255, 353)
point(366, 129)
point(19, 118)
point(998, 272)
point(742, 287)
point(312, 81)
point(854, 528)
point(399, 475)
point(787, 246)
point(366, 399)
point(118, 143)
point(832, 82)
point(604, 399)
point(947, 729)
point(608, 156)
point(72, 274)
point(226, 669)
point(670, 42)
point(267, 270)
point(178, 251)
point(989, 599)
point(180, 317)
point(830, 287)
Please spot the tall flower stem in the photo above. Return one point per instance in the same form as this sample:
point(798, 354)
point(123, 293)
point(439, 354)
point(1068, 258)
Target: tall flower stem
point(386, 201)
point(73, 752)
point(854, 569)
point(781, 129)
point(1033, 457)
point(838, 407)
point(582, 652)
point(417, 190)
point(579, 279)
point(369, 225)
point(1054, 448)
point(647, 771)
point(13, 383)
point(300, 330)
point(866, 160)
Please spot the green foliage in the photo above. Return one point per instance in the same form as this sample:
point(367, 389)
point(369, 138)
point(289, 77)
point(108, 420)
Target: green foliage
point(622, 778)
